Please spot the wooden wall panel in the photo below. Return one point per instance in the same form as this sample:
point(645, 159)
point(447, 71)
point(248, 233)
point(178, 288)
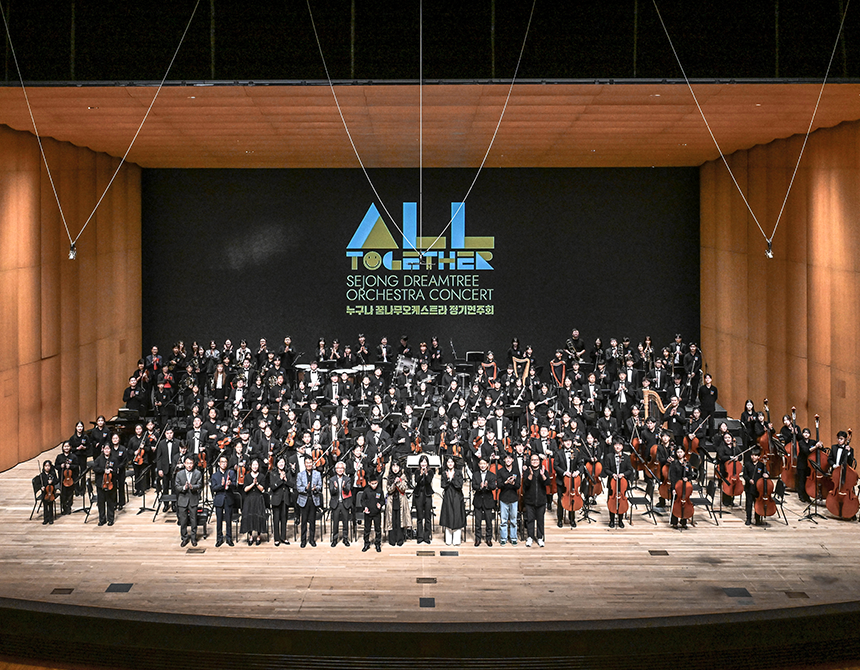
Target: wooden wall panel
point(790, 335)
point(71, 328)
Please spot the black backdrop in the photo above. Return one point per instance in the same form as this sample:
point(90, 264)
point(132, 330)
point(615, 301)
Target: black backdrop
point(262, 253)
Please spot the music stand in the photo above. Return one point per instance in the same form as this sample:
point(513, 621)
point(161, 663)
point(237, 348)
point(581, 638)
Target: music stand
point(811, 512)
point(143, 507)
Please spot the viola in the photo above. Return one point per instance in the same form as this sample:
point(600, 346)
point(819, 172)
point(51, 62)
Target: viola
point(50, 493)
point(764, 503)
point(534, 431)
point(345, 425)
point(572, 498)
point(360, 479)
point(457, 449)
point(416, 443)
point(138, 456)
point(68, 479)
point(201, 460)
point(380, 464)
point(241, 471)
point(107, 481)
point(682, 507)
point(318, 456)
point(335, 449)
point(476, 445)
point(443, 446)
point(617, 502)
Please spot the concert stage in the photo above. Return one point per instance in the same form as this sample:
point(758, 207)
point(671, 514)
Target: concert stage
point(645, 596)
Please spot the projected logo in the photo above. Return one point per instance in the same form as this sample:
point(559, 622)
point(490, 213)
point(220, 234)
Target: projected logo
point(421, 275)
point(374, 247)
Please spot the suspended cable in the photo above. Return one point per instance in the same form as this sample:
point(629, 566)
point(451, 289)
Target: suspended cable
point(495, 132)
point(769, 240)
point(140, 127)
point(349, 135)
point(73, 242)
point(35, 129)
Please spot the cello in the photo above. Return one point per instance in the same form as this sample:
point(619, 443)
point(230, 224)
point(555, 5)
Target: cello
point(682, 507)
point(764, 502)
point(818, 483)
point(616, 501)
point(842, 501)
point(571, 500)
point(732, 484)
point(593, 471)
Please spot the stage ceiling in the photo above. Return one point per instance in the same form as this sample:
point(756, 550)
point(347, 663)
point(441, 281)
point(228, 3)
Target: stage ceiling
point(546, 125)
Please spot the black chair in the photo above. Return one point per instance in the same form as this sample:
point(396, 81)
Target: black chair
point(37, 495)
point(779, 499)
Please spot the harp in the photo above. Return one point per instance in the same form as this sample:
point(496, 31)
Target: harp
point(651, 401)
point(521, 368)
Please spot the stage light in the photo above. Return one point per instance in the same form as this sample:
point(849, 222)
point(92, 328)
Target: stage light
point(73, 252)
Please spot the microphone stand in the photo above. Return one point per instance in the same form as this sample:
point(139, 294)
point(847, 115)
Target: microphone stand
point(137, 481)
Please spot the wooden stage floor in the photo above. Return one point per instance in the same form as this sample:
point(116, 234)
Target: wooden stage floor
point(590, 573)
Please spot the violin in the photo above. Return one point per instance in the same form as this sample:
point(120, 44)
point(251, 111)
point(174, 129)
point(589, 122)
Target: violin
point(443, 447)
point(380, 464)
point(241, 471)
point(842, 500)
point(818, 483)
point(201, 459)
point(682, 507)
point(476, 445)
point(138, 455)
point(345, 425)
point(617, 502)
point(107, 481)
point(335, 449)
point(416, 443)
point(457, 449)
point(68, 479)
point(50, 491)
point(360, 479)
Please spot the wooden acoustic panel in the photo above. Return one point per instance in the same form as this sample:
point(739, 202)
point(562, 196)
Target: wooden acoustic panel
point(545, 125)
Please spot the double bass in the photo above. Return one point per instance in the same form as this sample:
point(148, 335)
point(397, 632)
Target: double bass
point(818, 483)
point(842, 501)
point(769, 449)
point(789, 473)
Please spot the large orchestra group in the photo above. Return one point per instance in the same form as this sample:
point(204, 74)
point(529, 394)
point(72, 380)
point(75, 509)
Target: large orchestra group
point(370, 435)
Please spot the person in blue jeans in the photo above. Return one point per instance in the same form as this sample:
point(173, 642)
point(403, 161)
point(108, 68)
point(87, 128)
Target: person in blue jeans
point(509, 492)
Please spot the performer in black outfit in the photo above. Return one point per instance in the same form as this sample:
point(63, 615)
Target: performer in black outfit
point(422, 499)
point(483, 502)
point(615, 466)
point(535, 479)
point(281, 484)
point(373, 500)
point(223, 484)
point(754, 470)
point(340, 502)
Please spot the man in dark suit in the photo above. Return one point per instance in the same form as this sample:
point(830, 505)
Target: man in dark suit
point(197, 438)
point(165, 453)
point(483, 502)
point(617, 465)
point(187, 485)
point(340, 501)
point(223, 483)
point(309, 486)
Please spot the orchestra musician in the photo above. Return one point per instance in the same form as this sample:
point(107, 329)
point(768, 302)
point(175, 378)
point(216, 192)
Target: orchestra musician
point(616, 466)
point(422, 499)
point(754, 469)
point(679, 471)
point(841, 453)
point(104, 468)
point(66, 462)
point(48, 486)
point(568, 463)
point(727, 450)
